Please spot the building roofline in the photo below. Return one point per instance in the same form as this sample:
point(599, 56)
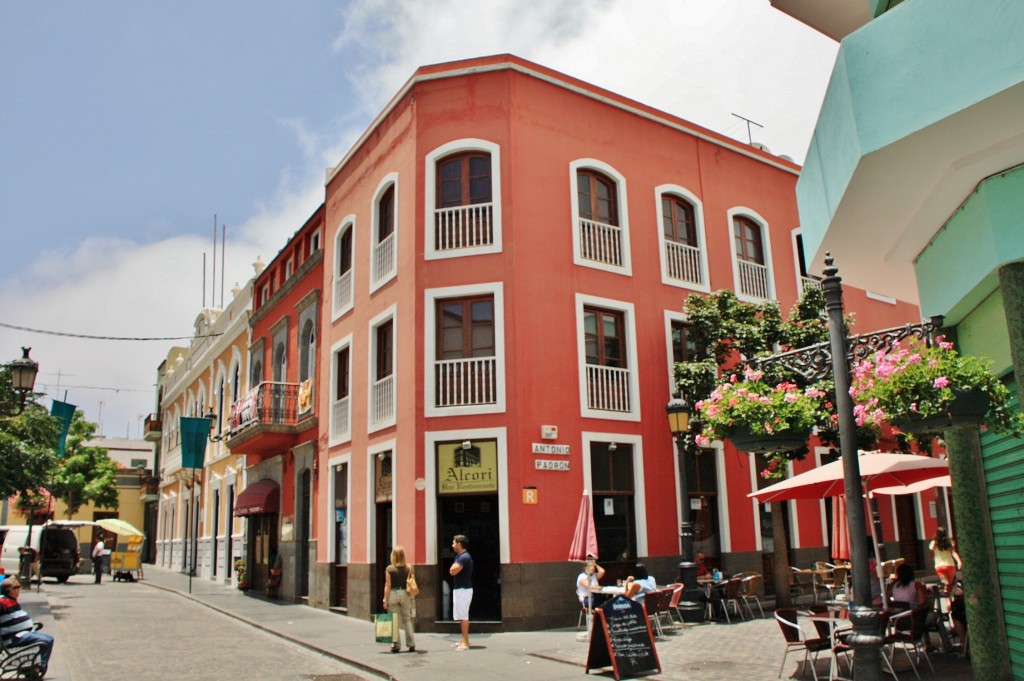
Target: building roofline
point(509, 62)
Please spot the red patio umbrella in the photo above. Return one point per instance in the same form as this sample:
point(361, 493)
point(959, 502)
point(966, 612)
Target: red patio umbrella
point(584, 540)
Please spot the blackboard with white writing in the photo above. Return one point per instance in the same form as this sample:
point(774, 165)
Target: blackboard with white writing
point(622, 639)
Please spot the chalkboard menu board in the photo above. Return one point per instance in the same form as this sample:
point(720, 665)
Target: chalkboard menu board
point(622, 639)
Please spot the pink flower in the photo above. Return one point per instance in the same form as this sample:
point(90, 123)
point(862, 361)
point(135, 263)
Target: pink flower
point(703, 441)
point(941, 382)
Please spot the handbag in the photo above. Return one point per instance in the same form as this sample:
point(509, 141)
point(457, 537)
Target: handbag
point(411, 587)
point(384, 627)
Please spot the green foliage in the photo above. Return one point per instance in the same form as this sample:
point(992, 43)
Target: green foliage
point(85, 474)
point(27, 442)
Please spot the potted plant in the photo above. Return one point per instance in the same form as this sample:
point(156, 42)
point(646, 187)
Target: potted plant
point(243, 582)
point(273, 583)
point(758, 417)
point(922, 388)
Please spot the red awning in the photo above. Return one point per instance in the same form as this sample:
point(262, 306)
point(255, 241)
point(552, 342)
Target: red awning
point(259, 497)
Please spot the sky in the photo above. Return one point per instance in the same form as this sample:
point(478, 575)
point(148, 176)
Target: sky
point(129, 129)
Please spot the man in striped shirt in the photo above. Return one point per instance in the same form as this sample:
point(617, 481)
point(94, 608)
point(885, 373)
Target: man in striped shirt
point(16, 626)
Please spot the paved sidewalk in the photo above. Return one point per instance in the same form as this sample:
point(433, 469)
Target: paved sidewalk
point(748, 650)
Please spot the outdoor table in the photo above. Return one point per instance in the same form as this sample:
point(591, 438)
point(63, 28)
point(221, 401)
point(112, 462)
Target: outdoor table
point(817, 578)
point(838, 621)
point(708, 584)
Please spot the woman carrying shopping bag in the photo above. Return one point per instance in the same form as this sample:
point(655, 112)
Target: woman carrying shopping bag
point(398, 600)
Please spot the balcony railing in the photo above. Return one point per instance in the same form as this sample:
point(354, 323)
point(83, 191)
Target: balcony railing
point(809, 282)
point(683, 262)
point(152, 428)
point(465, 382)
point(340, 421)
point(343, 291)
point(753, 279)
point(600, 242)
point(267, 404)
point(382, 400)
point(463, 227)
point(384, 258)
point(608, 388)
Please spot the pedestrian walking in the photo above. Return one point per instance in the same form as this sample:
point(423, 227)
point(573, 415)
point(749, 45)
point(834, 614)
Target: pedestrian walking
point(947, 560)
point(98, 551)
point(462, 587)
point(398, 600)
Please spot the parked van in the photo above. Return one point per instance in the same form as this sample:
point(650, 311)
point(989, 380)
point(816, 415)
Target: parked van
point(57, 547)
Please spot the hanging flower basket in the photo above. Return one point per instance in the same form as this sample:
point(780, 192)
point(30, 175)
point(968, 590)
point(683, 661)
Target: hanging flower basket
point(759, 443)
point(967, 409)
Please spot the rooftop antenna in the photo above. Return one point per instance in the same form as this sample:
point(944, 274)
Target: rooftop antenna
point(750, 139)
point(223, 250)
point(204, 279)
point(213, 275)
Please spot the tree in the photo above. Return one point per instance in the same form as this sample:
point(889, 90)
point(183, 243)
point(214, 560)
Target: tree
point(728, 332)
point(85, 474)
point(27, 442)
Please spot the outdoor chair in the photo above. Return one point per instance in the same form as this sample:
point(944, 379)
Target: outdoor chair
point(796, 642)
point(22, 662)
point(837, 584)
point(657, 603)
point(837, 643)
point(908, 630)
point(750, 586)
point(673, 603)
point(730, 595)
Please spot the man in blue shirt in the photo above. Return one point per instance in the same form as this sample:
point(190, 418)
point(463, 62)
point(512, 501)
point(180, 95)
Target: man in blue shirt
point(462, 587)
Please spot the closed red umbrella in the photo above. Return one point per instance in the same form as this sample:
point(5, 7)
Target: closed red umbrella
point(840, 530)
point(584, 540)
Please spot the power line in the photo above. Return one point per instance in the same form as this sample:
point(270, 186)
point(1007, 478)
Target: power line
point(99, 387)
point(113, 338)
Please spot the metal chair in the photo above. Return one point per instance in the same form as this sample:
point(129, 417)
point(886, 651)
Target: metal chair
point(750, 587)
point(837, 584)
point(22, 662)
point(796, 642)
point(907, 630)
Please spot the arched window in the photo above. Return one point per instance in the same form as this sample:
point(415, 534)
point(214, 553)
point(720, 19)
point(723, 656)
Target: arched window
point(749, 240)
point(386, 214)
point(678, 220)
point(597, 197)
point(307, 351)
point(464, 179)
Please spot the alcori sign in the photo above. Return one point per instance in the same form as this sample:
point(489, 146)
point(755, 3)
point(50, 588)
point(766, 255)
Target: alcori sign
point(467, 470)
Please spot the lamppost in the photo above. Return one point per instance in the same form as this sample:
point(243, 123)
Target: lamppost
point(23, 380)
point(678, 411)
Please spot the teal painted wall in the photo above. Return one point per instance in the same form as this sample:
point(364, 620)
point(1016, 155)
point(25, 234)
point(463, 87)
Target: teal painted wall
point(985, 233)
point(915, 65)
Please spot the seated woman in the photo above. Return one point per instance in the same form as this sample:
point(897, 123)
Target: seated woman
point(639, 584)
point(906, 589)
point(588, 584)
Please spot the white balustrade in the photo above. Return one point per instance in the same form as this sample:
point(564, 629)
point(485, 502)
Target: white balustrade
point(753, 279)
point(382, 400)
point(343, 291)
point(464, 382)
point(683, 262)
point(340, 414)
point(384, 258)
point(600, 242)
point(608, 388)
point(463, 227)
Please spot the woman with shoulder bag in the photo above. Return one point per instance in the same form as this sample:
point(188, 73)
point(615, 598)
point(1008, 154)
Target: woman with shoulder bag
point(397, 600)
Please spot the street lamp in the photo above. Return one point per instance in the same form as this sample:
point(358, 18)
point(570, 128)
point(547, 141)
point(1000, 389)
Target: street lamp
point(23, 377)
point(678, 411)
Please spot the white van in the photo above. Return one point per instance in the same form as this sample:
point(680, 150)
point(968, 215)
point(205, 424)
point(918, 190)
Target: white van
point(57, 546)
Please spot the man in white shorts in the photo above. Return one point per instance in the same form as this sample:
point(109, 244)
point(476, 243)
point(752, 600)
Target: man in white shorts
point(462, 587)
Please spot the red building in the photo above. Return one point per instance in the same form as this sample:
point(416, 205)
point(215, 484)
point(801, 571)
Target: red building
point(506, 254)
point(275, 424)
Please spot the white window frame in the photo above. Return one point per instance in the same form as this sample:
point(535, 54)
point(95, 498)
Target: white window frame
point(430, 197)
point(671, 316)
point(620, 188)
point(338, 311)
point(379, 279)
point(629, 322)
point(333, 441)
point(314, 242)
point(698, 216)
point(430, 440)
point(749, 213)
point(495, 289)
point(391, 313)
point(588, 438)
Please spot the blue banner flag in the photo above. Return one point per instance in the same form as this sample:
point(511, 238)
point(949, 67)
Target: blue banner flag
point(65, 413)
point(194, 433)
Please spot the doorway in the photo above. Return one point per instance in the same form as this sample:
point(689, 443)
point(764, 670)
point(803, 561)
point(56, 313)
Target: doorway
point(475, 516)
point(305, 501)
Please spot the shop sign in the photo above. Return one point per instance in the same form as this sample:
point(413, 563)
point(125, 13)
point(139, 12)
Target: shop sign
point(462, 470)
